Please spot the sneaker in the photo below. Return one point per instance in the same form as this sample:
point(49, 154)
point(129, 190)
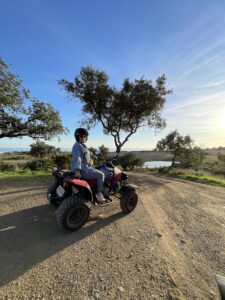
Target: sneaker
point(100, 198)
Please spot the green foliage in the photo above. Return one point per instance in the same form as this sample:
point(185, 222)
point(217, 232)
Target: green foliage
point(39, 165)
point(23, 115)
point(192, 158)
point(221, 157)
point(129, 161)
point(216, 168)
point(41, 149)
point(201, 178)
point(63, 161)
point(104, 153)
point(26, 175)
point(176, 144)
point(24, 163)
point(5, 166)
point(13, 165)
point(14, 157)
point(138, 103)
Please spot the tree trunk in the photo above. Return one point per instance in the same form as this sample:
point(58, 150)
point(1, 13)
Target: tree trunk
point(118, 149)
point(173, 162)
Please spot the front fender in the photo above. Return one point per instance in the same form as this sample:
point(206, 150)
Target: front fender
point(126, 189)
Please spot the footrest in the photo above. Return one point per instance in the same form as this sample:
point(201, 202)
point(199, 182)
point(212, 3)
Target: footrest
point(106, 202)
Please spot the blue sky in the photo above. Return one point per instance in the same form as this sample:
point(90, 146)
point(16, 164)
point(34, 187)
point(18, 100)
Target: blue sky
point(44, 41)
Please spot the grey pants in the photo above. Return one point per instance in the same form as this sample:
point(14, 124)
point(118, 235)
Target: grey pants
point(91, 173)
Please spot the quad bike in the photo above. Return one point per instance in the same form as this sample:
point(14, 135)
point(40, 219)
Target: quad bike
point(75, 197)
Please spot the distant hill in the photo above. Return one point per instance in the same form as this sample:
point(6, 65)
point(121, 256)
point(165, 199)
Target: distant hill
point(151, 155)
point(166, 156)
point(214, 151)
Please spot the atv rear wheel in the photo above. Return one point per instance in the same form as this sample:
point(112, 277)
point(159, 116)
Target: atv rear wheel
point(73, 212)
point(128, 201)
point(51, 195)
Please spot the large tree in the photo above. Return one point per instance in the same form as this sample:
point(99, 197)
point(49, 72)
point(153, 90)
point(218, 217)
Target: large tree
point(23, 115)
point(121, 112)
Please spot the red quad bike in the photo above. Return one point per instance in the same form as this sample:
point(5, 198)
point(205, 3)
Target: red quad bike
point(74, 197)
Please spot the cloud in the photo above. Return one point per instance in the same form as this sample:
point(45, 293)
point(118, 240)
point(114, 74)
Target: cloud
point(196, 101)
point(212, 84)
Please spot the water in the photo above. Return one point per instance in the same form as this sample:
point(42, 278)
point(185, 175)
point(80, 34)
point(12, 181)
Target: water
point(157, 164)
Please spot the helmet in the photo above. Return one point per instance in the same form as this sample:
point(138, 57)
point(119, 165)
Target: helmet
point(80, 131)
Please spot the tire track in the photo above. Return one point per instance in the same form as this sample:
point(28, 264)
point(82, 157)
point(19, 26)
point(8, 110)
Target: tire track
point(171, 206)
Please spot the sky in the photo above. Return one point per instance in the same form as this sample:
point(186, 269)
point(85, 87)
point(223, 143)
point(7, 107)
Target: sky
point(47, 40)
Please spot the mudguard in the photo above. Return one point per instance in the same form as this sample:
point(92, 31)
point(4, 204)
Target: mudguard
point(125, 189)
point(81, 185)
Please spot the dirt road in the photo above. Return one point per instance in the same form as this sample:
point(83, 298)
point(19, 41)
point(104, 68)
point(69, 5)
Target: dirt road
point(170, 247)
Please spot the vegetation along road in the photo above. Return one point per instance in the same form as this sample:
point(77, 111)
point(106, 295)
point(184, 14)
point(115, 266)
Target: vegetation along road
point(170, 247)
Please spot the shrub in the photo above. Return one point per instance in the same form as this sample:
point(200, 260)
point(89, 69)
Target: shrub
point(7, 166)
point(129, 161)
point(63, 161)
point(41, 149)
point(221, 157)
point(39, 165)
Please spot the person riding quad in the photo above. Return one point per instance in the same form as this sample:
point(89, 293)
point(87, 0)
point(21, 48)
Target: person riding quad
point(81, 162)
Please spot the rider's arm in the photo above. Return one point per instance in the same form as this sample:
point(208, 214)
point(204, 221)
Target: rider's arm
point(77, 155)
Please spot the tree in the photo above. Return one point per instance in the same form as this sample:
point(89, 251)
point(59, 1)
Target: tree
point(104, 152)
point(100, 154)
point(23, 115)
point(192, 157)
point(175, 144)
point(129, 160)
point(137, 104)
point(41, 149)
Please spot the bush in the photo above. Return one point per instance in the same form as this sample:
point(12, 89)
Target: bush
point(192, 158)
point(39, 165)
point(41, 150)
point(221, 157)
point(7, 166)
point(129, 161)
point(63, 161)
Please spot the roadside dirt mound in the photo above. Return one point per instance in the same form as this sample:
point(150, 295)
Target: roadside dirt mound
point(170, 247)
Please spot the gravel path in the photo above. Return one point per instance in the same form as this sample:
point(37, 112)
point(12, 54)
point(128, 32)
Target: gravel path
point(170, 247)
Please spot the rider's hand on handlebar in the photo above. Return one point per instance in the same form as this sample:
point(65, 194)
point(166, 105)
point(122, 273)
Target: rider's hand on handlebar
point(77, 174)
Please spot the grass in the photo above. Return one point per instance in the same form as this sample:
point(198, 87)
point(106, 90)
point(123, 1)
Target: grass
point(196, 177)
point(41, 176)
point(210, 159)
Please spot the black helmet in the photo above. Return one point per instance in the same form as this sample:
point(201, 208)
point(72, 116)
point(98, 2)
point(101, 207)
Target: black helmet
point(80, 131)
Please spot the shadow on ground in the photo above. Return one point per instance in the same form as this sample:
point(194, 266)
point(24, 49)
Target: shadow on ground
point(30, 236)
point(22, 191)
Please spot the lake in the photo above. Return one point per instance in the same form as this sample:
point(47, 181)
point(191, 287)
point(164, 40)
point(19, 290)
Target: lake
point(157, 164)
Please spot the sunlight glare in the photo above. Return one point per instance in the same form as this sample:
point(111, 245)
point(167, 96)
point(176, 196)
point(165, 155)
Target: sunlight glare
point(222, 121)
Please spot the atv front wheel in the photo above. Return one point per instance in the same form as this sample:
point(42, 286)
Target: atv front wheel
point(128, 201)
point(73, 212)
